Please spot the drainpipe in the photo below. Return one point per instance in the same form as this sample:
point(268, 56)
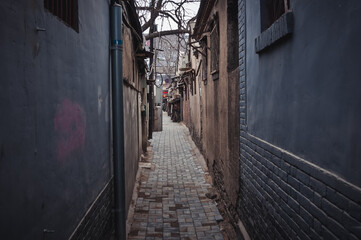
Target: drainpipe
point(151, 88)
point(118, 121)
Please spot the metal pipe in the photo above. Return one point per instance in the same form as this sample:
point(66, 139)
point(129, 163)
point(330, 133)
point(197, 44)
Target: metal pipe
point(151, 87)
point(118, 121)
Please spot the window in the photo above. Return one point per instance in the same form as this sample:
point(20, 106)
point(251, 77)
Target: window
point(214, 38)
point(276, 23)
point(271, 10)
point(204, 59)
point(65, 10)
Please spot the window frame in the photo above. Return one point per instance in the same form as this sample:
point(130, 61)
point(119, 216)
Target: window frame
point(214, 47)
point(65, 10)
point(280, 28)
point(271, 11)
point(204, 45)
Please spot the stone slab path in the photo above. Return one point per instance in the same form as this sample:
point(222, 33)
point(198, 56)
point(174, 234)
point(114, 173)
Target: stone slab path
point(171, 201)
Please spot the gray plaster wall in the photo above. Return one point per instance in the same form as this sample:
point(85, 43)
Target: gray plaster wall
point(54, 101)
point(303, 93)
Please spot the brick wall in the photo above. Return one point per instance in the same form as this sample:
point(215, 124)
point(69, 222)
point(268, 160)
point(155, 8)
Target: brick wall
point(98, 220)
point(242, 69)
point(283, 196)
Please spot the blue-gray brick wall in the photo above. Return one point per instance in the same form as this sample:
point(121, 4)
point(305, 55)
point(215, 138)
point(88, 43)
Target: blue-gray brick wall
point(98, 222)
point(242, 54)
point(283, 196)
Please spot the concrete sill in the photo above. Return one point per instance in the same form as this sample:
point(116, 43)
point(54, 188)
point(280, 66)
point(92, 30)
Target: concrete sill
point(215, 75)
point(279, 29)
point(204, 81)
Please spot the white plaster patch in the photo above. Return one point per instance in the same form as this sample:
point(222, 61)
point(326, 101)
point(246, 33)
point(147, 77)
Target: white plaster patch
point(106, 106)
point(100, 100)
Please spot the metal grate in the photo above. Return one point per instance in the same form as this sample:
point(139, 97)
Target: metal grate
point(65, 10)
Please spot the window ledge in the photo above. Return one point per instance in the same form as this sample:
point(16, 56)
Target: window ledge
point(215, 75)
point(279, 29)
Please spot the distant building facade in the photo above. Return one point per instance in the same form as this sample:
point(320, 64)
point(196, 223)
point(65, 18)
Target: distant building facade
point(56, 176)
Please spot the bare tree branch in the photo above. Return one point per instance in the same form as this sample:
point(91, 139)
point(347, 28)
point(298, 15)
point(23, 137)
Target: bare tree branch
point(176, 15)
point(153, 15)
point(165, 33)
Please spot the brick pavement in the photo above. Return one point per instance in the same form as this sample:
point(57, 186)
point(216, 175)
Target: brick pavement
point(171, 202)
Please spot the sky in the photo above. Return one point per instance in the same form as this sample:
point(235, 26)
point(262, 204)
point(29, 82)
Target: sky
point(191, 11)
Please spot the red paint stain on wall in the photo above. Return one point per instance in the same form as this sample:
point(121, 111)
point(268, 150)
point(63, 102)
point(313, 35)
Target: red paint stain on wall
point(70, 125)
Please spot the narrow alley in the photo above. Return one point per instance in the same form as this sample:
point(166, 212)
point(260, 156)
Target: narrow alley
point(180, 119)
point(172, 202)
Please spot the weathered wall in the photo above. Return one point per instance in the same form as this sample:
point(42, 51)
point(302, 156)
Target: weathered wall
point(54, 99)
point(215, 101)
point(231, 175)
point(195, 126)
point(132, 128)
point(186, 111)
point(222, 144)
point(131, 143)
point(192, 107)
point(216, 118)
point(232, 183)
point(298, 109)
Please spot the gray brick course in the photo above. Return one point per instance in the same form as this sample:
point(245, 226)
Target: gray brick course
point(98, 221)
point(317, 208)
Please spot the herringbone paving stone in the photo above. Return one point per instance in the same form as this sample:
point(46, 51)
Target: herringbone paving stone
point(171, 203)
